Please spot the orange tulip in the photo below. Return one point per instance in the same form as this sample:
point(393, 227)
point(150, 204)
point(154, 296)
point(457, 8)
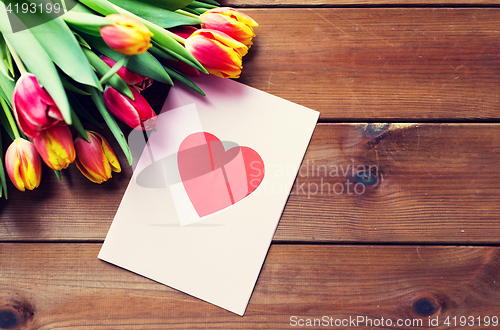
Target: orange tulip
point(95, 159)
point(127, 35)
point(23, 164)
point(55, 146)
point(220, 54)
point(232, 22)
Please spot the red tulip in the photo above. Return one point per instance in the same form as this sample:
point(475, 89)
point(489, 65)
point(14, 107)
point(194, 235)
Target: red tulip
point(23, 165)
point(133, 79)
point(95, 159)
point(55, 145)
point(127, 35)
point(220, 54)
point(34, 109)
point(136, 113)
point(232, 22)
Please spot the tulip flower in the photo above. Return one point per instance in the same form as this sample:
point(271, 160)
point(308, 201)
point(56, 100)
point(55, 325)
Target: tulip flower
point(95, 159)
point(55, 145)
point(127, 35)
point(232, 22)
point(136, 113)
point(23, 164)
point(34, 109)
point(133, 79)
point(220, 54)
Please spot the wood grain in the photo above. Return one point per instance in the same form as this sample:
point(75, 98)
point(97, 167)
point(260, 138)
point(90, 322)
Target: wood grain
point(406, 183)
point(64, 286)
point(388, 64)
point(415, 183)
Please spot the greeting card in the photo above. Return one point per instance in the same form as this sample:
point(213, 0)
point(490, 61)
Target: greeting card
point(209, 189)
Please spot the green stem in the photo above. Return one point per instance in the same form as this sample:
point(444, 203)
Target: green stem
point(16, 58)
point(123, 61)
point(175, 36)
point(8, 114)
point(186, 13)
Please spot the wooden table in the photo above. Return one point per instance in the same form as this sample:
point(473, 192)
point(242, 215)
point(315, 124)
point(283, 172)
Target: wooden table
point(411, 88)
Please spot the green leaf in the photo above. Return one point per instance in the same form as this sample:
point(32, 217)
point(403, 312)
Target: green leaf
point(26, 45)
point(2, 172)
point(6, 67)
point(194, 11)
point(58, 175)
point(70, 86)
point(82, 111)
point(144, 64)
point(177, 75)
point(200, 4)
point(168, 5)
point(157, 15)
point(211, 2)
point(101, 6)
point(5, 121)
point(88, 23)
point(101, 67)
point(77, 124)
point(7, 89)
point(157, 52)
point(64, 50)
point(111, 122)
point(114, 69)
point(81, 41)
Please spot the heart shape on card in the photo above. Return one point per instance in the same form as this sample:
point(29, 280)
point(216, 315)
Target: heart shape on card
point(213, 177)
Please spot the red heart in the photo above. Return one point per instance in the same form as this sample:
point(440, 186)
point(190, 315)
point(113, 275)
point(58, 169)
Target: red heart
point(215, 178)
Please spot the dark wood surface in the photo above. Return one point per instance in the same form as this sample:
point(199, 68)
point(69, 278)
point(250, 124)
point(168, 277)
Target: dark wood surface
point(410, 90)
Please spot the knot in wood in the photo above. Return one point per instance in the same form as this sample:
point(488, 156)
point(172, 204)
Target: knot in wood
point(426, 306)
point(369, 176)
point(374, 130)
point(8, 319)
point(15, 315)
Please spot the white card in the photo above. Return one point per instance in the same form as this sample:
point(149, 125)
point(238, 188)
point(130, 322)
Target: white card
point(207, 194)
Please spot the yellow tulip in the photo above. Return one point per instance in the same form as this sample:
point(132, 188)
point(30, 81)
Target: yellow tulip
point(127, 35)
point(220, 54)
point(232, 22)
point(95, 159)
point(55, 146)
point(23, 164)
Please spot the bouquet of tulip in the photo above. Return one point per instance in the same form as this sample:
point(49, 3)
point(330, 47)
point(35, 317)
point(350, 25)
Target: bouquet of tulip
point(107, 51)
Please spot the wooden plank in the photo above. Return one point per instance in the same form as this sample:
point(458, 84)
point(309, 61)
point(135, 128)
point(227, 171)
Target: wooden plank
point(397, 183)
point(56, 286)
point(386, 64)
point(434, 183)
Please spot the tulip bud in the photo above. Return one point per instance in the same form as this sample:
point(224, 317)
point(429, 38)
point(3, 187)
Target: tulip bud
point(133, 79)
point(220, 54)
point(23, 164)
point(34, 109)
point(55, 145)
point(95, 159)
point(136, 113)
point(232, 22)
point(127, 35)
